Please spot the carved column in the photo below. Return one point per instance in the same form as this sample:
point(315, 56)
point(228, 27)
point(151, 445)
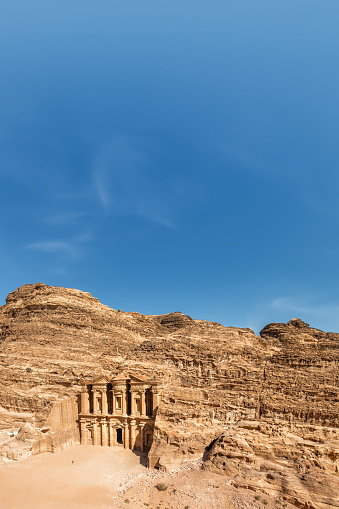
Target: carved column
point(124, 402)
point(84, 401)
point(95, 433)
point(103, 433)
point(83, 432)
point(95, 401)
point(132, 403)
point(111, 435)
point(126, 436)
point(143, 402)
point(104, 407)
point(142, 437)
point(113, 397)
point(132, 436)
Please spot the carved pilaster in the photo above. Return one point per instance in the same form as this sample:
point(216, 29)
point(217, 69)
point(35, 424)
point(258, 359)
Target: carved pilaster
point(83, 433)
point(132, 435)
point(124, 402)
point(95, 400)
point(141, 427)
point(84, 401)
point(132, 403)
point(104, 407)
point(95, 434)
point(111, 435)
point(143, 402)
point(113, 399)
point(104, 433)
point(126, 436)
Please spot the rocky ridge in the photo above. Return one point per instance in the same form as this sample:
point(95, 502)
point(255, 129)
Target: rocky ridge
point(263, 410)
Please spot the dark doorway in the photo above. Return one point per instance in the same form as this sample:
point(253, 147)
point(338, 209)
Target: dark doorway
point(119, 436)
point(149, 402)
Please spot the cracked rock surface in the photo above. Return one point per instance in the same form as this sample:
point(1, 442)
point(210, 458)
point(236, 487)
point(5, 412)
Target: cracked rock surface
point(261, 410)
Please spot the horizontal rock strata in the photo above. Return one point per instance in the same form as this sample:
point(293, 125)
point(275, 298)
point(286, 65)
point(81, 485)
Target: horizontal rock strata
point(263, 410)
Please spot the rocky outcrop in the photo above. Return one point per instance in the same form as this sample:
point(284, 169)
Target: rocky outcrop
point(263, 410)
point(275, 459)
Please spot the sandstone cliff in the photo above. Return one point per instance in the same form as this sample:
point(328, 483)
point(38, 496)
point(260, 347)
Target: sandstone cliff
point(261, 409)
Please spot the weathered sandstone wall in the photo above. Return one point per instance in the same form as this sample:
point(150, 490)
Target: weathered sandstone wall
point(254, 407)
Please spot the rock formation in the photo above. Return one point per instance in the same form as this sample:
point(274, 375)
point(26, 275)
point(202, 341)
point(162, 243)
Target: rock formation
point(263, 410)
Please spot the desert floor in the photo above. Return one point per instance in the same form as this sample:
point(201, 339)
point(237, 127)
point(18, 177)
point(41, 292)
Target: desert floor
point(90, 477)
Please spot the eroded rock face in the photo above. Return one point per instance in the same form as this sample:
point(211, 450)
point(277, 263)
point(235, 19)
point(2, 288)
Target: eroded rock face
point(262, 408)
point(274, 458)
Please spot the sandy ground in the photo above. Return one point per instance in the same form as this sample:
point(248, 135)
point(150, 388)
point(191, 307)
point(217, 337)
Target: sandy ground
point(90, 477)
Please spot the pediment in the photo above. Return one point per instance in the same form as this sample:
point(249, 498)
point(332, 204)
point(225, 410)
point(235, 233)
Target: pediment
point(136, 380)
point(120, 377)
point(101, 379)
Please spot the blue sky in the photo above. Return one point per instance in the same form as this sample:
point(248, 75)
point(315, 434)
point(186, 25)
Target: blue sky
point(173, 156)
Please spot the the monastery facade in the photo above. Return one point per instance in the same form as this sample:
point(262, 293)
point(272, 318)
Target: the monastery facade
point(119, 411)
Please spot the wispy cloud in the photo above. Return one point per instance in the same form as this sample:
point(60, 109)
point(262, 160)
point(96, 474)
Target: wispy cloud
point(117, 170)
point(288, 304)
point(53, 246)
point(102, 192)
point(127, 183)
point(311, 309)
point(324, 312)
point(163, 222)
point(72, 248)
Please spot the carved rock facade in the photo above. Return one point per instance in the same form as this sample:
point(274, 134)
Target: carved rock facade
point(117, 411)
point(262, 409)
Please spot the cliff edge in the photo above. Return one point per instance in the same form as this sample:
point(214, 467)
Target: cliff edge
point(263, 410)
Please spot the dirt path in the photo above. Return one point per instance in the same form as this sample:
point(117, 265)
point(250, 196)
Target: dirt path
point(78, 477)
point(87, 477)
